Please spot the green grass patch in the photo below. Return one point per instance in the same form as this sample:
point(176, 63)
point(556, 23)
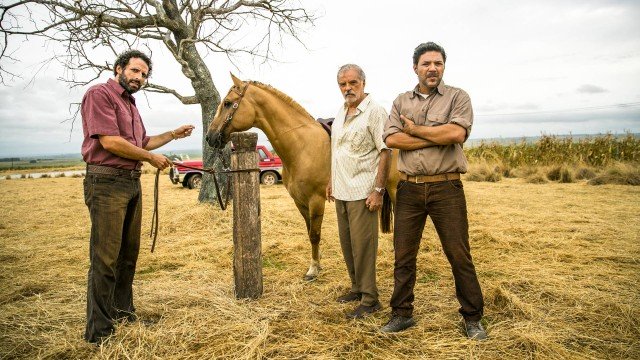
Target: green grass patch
point(271, 262)
point(428, 278)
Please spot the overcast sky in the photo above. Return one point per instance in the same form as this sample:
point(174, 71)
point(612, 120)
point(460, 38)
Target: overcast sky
point(540, 67)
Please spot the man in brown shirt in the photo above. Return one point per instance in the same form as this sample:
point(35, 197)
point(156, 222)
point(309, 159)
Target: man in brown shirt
point(428, 125)
point(115, 144)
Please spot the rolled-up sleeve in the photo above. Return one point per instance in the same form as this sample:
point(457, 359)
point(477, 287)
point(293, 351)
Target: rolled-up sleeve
point(100, 114)
point(145, 137)
point(462, 112)
point(393, 124)
point(377, 121)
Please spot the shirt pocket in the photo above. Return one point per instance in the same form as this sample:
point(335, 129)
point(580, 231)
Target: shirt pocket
point(357, 142)
point(125, 122)
point(437, 119)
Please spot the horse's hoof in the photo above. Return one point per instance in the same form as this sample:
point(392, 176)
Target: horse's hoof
point(310, 278)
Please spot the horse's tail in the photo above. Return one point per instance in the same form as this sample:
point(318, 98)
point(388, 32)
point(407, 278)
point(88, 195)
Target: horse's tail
point(386, 214)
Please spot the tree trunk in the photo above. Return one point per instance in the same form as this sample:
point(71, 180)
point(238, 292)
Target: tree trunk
point(196, 70)
point(209, 157)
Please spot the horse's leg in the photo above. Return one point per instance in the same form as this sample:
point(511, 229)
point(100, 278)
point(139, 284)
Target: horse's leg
point(316, 215)
point(312, 273)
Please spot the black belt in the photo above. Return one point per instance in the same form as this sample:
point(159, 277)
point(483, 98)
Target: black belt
point(107, 170)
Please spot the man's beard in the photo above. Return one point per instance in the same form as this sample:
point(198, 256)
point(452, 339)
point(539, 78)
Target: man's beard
point(350, 99)
point(125, 84)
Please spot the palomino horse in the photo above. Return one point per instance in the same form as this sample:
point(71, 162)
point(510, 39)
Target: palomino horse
point(300, 141)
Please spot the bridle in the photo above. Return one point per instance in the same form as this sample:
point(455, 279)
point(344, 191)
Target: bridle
point(210, 170)
point(234, 108)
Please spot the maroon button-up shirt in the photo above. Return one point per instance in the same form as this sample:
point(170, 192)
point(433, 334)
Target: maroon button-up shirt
point(108, 109)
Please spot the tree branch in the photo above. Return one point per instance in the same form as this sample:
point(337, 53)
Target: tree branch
point(186, 100)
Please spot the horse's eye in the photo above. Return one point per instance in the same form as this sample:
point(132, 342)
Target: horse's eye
point(226, 103)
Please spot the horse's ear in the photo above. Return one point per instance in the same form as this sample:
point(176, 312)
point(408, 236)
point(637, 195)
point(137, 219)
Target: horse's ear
point(237, 82)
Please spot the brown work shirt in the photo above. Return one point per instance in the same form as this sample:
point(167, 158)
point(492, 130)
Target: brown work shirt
point(447, 105)
point(108, 109)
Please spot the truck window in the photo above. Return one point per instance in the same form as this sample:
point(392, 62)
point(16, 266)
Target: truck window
point(262, 154)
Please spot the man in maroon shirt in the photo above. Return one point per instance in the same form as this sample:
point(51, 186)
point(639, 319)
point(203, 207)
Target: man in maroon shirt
point(115, 144)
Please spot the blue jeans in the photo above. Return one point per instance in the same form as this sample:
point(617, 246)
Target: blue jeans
point(115, 209)
point(445, 203)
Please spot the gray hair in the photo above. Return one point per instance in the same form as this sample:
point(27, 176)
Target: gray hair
point(355, 67)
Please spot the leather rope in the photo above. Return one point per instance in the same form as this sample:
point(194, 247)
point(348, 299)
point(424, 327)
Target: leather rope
point(223, 205)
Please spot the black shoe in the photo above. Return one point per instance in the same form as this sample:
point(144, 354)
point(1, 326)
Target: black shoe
point(362, 310)
point(474, 330)
point(99, 340)
point(126, 317)
point(398, 323)
point(349, 297)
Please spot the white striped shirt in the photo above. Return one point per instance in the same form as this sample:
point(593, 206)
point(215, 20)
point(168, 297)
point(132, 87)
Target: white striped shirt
point(356, 143)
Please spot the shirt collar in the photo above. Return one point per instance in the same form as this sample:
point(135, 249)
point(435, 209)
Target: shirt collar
point(440, 89)
point(115, 86)
point(363, 104)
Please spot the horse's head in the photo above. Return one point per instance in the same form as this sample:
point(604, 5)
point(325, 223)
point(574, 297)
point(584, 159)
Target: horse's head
point(234, 114)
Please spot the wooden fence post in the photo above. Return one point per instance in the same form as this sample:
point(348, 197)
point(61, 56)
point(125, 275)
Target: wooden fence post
point(247, 244)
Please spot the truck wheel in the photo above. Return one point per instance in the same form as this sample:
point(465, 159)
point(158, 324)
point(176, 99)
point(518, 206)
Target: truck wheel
point(268, 178)
point(194, 181)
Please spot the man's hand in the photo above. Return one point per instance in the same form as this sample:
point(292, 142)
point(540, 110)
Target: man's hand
point(408, 125)
point(329, 193)
point(374, 201)
point(159, 161)
point(183, 131)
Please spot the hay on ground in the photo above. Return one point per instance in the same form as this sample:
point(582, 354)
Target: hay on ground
point(560, 278)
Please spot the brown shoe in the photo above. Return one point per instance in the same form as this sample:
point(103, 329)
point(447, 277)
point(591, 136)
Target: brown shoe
point(349, 297)
point(362, 310)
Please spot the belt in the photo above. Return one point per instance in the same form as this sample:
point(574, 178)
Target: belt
point(419, 179)
point(108, 170)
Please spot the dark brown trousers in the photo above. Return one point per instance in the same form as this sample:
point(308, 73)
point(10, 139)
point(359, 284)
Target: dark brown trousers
point(445, 203)
point(115, 208)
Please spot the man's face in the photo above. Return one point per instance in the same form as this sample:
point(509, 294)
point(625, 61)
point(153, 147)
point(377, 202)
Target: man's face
point(134, 75)
point(429, 69)
point(351, 87)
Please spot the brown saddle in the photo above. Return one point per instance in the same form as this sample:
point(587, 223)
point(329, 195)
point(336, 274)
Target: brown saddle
point(326, 124)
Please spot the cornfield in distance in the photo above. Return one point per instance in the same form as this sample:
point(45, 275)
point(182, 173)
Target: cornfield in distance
point(598, 151)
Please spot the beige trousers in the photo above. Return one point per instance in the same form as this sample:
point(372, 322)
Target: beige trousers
point(358, 231)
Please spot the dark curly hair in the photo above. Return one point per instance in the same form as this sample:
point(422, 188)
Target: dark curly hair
point(123, 60)
point(428, 46)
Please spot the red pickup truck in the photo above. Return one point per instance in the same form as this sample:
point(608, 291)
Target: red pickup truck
point(270, 170)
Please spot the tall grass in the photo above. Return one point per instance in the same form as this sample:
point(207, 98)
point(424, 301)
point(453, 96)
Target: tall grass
point(596, 151)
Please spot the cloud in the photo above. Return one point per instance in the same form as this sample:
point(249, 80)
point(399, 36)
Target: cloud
point(591, 89)
point(535, 67)
point(527, 106)
point(559, 124)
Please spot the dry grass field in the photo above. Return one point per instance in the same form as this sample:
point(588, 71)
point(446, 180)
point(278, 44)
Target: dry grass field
point(559, 265)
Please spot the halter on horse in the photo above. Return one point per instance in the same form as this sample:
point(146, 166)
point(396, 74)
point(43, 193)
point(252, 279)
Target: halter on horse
point(300, 141)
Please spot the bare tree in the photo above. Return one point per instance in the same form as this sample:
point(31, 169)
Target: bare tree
point(190, 29)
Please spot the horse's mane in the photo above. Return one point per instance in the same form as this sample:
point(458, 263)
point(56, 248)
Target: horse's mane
point(282, 96)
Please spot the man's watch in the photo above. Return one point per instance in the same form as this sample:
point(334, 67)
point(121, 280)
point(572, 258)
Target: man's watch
point(380, 190)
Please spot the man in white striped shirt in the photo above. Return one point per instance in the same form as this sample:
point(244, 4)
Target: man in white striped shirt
point(359, 170)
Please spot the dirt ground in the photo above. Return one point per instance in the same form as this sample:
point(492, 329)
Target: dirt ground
point(559, 265)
